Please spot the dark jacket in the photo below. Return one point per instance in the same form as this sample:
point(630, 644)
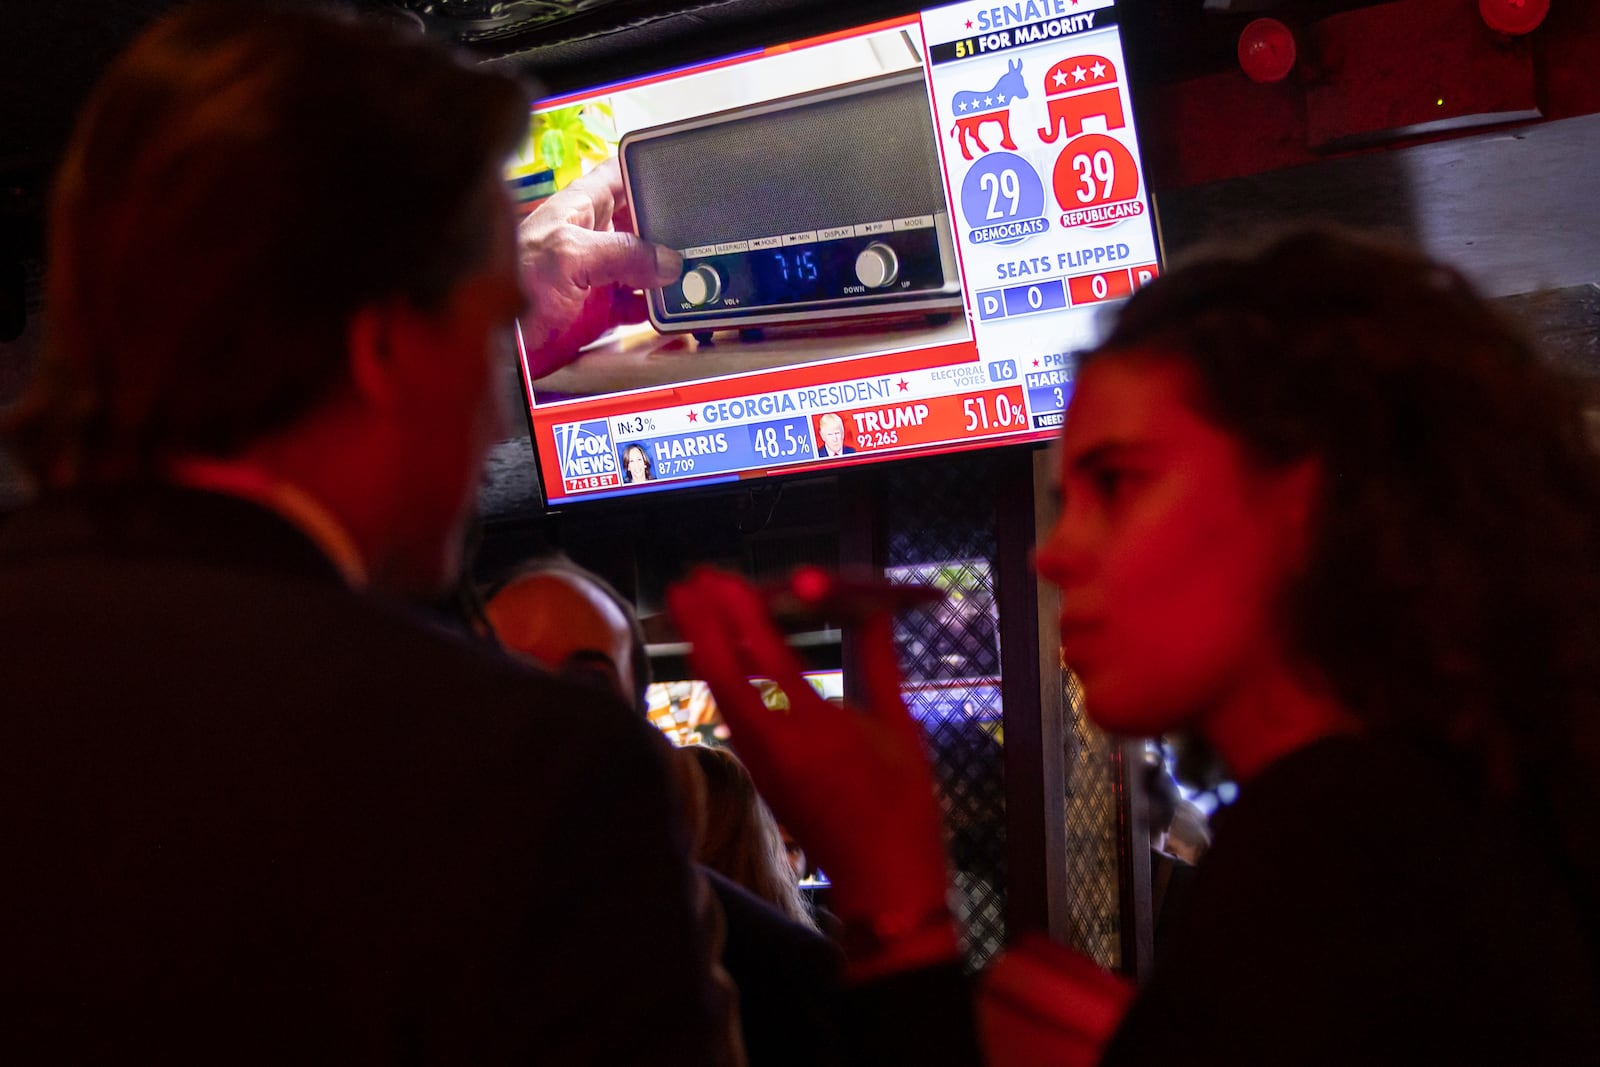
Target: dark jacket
point(1364, 904)
point(788, 978)
point(248, 814)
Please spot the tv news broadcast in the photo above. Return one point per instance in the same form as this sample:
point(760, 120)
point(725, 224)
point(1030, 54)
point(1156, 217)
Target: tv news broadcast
point(894, 240)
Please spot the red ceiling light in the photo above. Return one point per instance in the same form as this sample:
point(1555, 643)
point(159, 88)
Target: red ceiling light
point(1267, 51)
point(1514, 17)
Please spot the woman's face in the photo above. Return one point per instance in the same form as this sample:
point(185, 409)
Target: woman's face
point(1170, 549)
point(636, 465)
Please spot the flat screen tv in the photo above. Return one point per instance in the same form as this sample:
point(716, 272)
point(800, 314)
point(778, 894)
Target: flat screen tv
point(894, 239)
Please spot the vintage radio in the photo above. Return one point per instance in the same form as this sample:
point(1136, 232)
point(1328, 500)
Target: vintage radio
point(813, 208)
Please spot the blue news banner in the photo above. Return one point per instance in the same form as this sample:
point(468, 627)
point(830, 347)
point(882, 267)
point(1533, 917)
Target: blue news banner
point(725, 450)
point(1049, 388)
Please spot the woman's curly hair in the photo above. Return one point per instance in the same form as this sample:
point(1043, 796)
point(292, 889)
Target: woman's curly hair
point(1451, 594)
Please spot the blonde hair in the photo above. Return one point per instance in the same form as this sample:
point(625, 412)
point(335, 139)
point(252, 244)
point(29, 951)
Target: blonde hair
point(740, 838)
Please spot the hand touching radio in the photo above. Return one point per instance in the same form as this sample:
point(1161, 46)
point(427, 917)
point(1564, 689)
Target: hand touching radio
point(582, 268)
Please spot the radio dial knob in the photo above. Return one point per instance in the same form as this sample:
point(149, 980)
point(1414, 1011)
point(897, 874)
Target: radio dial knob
point(877, 266)
point(703, 285)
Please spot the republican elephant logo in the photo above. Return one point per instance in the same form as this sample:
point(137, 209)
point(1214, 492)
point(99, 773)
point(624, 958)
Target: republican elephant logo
point(1080, 88)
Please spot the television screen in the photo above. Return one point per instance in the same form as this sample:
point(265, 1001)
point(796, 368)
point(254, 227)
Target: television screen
point(894, 240)
point(686, 712)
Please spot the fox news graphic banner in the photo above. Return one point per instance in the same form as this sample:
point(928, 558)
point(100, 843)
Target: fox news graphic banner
point(895, 238)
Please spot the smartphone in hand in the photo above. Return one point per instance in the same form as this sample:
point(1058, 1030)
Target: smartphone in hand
point(814, 595)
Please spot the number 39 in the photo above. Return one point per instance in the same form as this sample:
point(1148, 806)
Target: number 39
point(1097, 168)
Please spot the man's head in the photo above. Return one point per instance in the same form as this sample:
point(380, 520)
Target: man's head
point(572, 621)
point(831, 427)
point(278, 227)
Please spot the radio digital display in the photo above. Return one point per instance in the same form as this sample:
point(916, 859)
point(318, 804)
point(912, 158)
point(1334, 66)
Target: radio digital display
point(797, 275)
point(894, 240)
point(731, 283)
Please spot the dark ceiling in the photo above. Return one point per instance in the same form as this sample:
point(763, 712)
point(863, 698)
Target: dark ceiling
point(51, 53)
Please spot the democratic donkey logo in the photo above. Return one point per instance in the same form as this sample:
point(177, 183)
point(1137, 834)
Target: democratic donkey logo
point(973, 109)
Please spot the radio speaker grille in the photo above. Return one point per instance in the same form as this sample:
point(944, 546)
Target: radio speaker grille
point(865, 157)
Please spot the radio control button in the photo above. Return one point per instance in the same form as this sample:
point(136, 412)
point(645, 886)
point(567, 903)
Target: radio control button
point(877, 266)
point(703, 285)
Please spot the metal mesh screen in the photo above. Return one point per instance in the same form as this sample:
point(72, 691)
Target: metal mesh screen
point(1093, 873)
point(940, 531)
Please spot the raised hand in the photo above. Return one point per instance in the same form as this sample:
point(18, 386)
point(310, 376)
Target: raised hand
point(852, 784)
point(581, 268)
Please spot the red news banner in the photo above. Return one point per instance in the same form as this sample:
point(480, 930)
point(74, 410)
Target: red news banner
point(907, 402)
point(935, 420)
point(921, 400)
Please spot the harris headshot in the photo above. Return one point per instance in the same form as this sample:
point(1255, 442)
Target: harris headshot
point(636, 466)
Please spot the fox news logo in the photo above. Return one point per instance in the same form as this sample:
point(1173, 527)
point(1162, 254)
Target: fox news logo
point(585, 449)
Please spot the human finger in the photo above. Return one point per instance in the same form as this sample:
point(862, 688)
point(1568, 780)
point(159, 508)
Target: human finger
point(879, 663)
point(572, 206)
point(759, 645)
point(611, 257)
point(761, 735)
point(703, 624)
point(622, 217)
point(603, 190)
point(712, 649)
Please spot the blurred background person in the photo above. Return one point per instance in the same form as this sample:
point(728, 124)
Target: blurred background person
point(555, 613)
point(573, 622)
point(740, 838)
point(796, 854)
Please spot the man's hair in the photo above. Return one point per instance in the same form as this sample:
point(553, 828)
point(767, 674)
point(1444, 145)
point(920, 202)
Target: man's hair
point(243, 180)
point(1451, 594)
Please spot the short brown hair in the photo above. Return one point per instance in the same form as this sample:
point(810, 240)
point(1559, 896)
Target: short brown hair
point(241, 181)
